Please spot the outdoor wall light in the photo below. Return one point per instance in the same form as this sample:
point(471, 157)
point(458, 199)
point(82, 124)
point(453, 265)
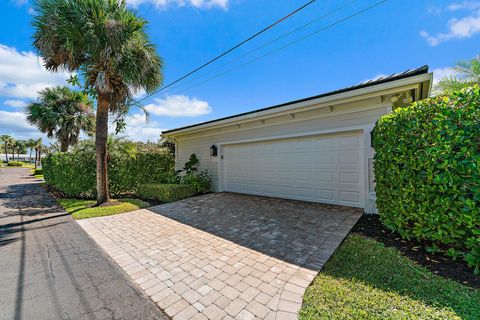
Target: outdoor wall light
point(213, 151)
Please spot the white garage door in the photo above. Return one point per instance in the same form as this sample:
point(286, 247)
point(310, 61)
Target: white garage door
point(324, 168)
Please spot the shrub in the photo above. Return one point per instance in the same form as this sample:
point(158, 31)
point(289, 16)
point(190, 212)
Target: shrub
point(38, 172)
point(74, 173)
point(200, 181)
point(427, 171)
point(165, 192)
point(16, 164)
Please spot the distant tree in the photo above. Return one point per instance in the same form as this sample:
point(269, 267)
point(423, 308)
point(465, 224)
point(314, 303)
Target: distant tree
point(116, 146)
point(38, 151)
point(466, 74)
point(167, 144)
point(63, 114)
point(7, 141)
point(105, 42)
point(19, 147)
point(30, 144)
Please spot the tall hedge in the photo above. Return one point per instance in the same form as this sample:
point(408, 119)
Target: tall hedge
point(74, 173)
point(427, 169)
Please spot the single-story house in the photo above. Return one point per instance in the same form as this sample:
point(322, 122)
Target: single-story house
point(315, 149)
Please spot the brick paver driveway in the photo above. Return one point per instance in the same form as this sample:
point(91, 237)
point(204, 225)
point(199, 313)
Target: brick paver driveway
point(225, 256)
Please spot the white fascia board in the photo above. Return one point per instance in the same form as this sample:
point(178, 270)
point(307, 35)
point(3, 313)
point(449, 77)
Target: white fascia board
point(379, 89)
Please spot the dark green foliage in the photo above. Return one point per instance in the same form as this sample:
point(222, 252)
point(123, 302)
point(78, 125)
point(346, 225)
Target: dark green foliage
point(165, 192)
point(74, 173)
point(38, 172)
point(200, 181)
point(427, 168)
point(15, 164)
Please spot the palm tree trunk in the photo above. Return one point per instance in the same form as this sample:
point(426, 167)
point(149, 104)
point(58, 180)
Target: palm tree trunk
point(30, 156)
point(63, 146)
point(101, 136)
point(6, 153)
point(36, 158)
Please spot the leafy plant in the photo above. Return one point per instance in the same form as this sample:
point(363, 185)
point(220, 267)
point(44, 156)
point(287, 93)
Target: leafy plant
point(427, 168)
point(200, 181)
point(165, 192)
point(15, 164)
point(189, 175)
point(73, 173)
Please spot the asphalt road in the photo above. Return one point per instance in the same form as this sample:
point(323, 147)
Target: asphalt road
point(50, 268)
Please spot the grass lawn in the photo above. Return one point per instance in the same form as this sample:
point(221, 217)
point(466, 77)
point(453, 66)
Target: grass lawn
point(82, 209)
point(366, 280)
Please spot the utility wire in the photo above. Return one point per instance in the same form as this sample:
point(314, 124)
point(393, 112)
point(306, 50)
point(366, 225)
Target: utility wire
point(230, 50)
point(264, 45)
point(287, 45)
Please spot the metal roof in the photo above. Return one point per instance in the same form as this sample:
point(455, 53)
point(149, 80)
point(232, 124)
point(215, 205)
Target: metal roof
point(393, 77)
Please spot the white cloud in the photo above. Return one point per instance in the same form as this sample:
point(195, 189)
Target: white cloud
point(440, 73)
point(16, 103)
point(15, 124)
point(22, 74)
point(138, 129)
point(202, 4)
point(457, 29)
point(465, 5)
point(179, 106)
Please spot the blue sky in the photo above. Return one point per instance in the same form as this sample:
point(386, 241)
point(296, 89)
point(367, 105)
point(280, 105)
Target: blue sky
point(392, 37)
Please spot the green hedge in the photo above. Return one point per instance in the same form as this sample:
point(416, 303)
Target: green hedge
point(37, 172)
point(165, 192)
point(75, 173)
point(427, 168)
point(16, 164)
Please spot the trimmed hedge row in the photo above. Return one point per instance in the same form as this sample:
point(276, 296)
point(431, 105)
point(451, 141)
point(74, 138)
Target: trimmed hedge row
point(427, 168)
point(165, 192)
point(16, 164)
point(75, 173)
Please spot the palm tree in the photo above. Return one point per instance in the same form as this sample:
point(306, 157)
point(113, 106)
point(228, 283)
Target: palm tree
point(62, 113)
point(30, 144)
point(106, 44)
point(117, 146)
point(38, 151)
point(466, 74)
point(7, 142)
point(19, 147)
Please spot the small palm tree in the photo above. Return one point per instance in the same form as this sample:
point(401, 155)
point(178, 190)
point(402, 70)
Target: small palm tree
point(7, 141)
point(62, 113)
point(106, 43)
point(30, 144)
point(19, 147)
point(38, 151)
point(466, 74)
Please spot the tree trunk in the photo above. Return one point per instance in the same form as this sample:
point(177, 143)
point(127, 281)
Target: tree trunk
point(63, 146)
point(6, 153)
point(36, 158)
point(101, 136)
point(30, 156)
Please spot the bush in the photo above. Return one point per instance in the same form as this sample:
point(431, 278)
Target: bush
point(165, 192)
point(200, 181)
point(38, 172)
point(427, 171)
point(16, 164)
point(74, 173)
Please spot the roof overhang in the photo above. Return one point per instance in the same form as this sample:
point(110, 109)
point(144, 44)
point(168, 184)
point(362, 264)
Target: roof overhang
point(422, 83)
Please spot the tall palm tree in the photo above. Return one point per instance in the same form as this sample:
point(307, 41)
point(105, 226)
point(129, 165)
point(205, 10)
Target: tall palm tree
point(8, 141)
point(106, 43)
point(19, 147)
point(30, 144)
point(62, 113)
point(38, 151)
point(466, 74)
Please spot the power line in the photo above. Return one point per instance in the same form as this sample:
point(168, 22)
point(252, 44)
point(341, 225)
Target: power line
point(287, 45)
point(231, 49)
point(265, 45)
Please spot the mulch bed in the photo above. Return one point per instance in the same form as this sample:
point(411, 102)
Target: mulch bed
point(438, 263)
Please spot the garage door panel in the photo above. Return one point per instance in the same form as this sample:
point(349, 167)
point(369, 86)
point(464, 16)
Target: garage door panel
point(324, 168)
